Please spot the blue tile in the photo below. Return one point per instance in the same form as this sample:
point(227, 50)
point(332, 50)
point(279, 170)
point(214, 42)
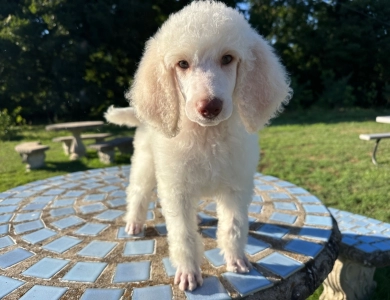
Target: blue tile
point(92, 208)
point(280, 264)
point(46, 268)
point(251, 220)
point(85, 271)
point(71, 194)
point(63, 202)
point(34, 206)
point(13, 201)
point(206, 218)
point(62, 244)
point(132, 272)
point(210, 232)
point(318, 220)
point(320, 209)
point(122, 234)
point(257, 198)
point(92, 229)
point(272, 231)
point(4, 229)
point(118, 194)
point(254, 246)
point(59, 212)
point(383, 246)
point(94, 294)
point(170, 270)
point(269, 178)
point(285, 206)
point(164, 292)
point(149, 216)
point(43, 292)
point(27, 217)
point(366, 248)
point(43, 199)
point(5, 218)
point(303, 247)
point(95, 197)
point(39, 236)
point(8, 285)
point(212, 289)
point(249, 283)
point(283, 218)
point(67, 222)
point(8, 209)
point(297, 190)
point(109, 215)
point(211, 207)
point(110, 188)
point(55, 192)
point(13, 257)
point(6, 241)
point(161, 229)
point(97, 249)
point(315, 233)
point(5, 195)
point(254, 209)
point(349, 241)
point(117, 202)
point(69, 185)
point(28, 226)
point(308, 199)
point(368, 239)
point(214, 257)
point(279, 196)
point(26, 194)
point(139, 248)
point(265, 187)
point(284, 184)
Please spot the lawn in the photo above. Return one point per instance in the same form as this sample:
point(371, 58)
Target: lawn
point(319, 151)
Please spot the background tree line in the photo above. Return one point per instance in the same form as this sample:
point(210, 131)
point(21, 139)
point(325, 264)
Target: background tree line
point(71, 59)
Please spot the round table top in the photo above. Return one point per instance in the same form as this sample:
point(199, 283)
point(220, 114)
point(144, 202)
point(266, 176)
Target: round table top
point(74, 125)
point(383, 119)
point(64, 238)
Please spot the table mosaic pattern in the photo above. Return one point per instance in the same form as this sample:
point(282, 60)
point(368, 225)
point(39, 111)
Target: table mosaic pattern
point(63, 238)
point(364, 239)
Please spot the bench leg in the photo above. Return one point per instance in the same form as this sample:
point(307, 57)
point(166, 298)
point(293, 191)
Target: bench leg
point(349, 281)
point(66, 146)
point(34, 160)
point(106, 156)
point(373, 158)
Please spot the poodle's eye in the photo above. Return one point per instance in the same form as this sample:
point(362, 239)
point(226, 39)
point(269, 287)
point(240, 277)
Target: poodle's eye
point(226, 59)
point(184, 64)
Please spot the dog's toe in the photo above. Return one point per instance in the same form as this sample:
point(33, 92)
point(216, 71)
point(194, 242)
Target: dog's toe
point(133, 228)
point(188, 280)
point(239, 265)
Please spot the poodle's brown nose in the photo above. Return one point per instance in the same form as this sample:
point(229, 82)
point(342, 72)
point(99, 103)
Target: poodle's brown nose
point(209, 108)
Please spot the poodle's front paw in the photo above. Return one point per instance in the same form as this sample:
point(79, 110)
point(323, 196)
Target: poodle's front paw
point(187, 279)
point(133, 228)
point(238, 265)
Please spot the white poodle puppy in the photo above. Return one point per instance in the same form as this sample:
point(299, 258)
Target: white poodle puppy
point(207, 82)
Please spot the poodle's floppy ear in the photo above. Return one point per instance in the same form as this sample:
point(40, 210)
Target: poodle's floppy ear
point(262, 85)
point(153, 93)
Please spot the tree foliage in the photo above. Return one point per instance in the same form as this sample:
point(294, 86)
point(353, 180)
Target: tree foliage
point(336, 51)
point(71, 59)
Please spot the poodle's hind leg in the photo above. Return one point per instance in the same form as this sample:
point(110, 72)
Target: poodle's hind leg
point(233, 228)
point(139, 191)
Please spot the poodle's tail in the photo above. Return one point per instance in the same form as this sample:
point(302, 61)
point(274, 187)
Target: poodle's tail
point(122, 116)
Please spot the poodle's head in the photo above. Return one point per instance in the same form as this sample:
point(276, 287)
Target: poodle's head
point(206, 61)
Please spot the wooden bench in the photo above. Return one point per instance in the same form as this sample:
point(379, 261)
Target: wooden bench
point(374, 136)
point(67, 140)
point(33, 154)
point(106, 150)
point(365, 246)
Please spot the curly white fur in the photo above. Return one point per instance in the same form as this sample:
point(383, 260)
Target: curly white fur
point(190, 156)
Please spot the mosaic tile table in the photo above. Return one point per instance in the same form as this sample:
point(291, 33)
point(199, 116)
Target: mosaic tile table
point(63, 238)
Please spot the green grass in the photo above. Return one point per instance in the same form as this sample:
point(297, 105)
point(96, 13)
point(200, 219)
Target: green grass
point(319, 151)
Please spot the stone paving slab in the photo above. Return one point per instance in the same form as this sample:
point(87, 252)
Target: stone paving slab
point(63, 238)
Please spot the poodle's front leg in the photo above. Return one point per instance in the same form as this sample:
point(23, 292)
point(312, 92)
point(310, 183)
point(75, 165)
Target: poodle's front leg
point(185, 245)
point(233, 227)
point(139, 191)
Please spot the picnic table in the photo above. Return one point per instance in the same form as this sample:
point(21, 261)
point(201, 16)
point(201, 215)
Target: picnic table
point(77, 148)
point(383, 119)
point(63, 238)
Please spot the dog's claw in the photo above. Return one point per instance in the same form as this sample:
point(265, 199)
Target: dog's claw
point(239, 265)
point(133, 228)
point(188, 280)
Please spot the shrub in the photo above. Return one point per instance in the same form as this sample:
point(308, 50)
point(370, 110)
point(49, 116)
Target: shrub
point(10, 123)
